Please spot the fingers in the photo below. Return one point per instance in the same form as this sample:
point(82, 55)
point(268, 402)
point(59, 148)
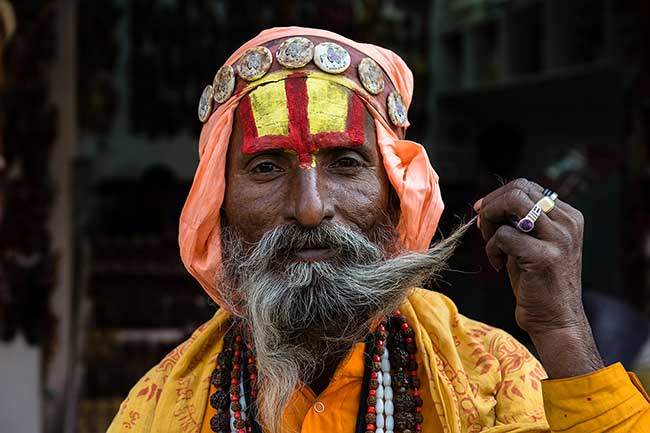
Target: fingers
point(508, 241)
point(522, 184)
point(510, 203)
point(531, 188)
point(511, 188)
point(508, 209)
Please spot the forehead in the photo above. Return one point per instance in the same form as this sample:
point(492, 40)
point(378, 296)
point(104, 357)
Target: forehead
point(303, 115)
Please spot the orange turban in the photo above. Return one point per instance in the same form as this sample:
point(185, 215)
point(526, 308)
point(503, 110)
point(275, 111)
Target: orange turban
point(406, 163)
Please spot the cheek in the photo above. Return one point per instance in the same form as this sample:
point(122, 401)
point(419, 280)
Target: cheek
point(364, 202)
point(251, 208)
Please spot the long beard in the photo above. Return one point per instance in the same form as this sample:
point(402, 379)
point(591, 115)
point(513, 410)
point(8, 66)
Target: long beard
point(302, 314)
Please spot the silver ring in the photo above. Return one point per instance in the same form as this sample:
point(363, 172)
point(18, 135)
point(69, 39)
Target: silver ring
point(527, 223)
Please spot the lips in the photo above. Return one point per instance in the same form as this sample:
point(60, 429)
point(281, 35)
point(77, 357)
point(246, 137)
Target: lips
point(314, 254)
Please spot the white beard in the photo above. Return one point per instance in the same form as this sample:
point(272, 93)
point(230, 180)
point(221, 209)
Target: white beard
point(302, 314)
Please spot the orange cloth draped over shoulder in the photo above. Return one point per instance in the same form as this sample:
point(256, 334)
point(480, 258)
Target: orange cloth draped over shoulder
point(406, 163)
point(475, 378)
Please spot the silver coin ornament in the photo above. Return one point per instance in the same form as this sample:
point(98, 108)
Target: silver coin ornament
point(397, 109)
point(331, 57)
point(254, 63)
point(295, 52)
point(205, 103)
point(371, 76)
point(224, 84)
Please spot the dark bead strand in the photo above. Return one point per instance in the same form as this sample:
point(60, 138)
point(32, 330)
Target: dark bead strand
point(398, 359)
point(235, 390)
point(404, 403)
point(401, 381)
point(380, 341)
point(404, 421)
point(410, 416)
point(251, 366)
point(220, 423)
point(250, 385)
point(220, 399)
point(402, 350)
point(224, 359)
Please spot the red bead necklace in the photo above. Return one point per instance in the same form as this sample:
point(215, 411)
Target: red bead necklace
point(392, 403)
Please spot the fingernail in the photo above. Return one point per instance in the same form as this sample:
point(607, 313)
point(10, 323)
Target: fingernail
point(478, 223)
point(477, 205)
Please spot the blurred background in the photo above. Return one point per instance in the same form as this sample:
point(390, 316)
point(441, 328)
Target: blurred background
point(98, 146)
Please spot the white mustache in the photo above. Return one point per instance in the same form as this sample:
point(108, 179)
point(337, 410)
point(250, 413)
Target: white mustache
point(302, 313)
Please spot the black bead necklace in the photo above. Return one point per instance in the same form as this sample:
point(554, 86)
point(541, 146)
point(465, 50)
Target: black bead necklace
point(390, 397)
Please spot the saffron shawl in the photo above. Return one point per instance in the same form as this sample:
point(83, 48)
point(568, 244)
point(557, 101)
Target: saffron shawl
point(474, 377)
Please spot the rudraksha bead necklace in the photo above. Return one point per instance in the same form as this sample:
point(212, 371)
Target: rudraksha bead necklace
point(235, 382)
point(390, 401)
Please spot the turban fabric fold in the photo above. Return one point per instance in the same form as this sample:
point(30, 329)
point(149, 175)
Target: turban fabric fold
point(406, 163)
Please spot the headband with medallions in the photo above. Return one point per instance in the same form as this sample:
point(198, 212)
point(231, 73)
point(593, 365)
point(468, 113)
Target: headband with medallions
point(298, 53)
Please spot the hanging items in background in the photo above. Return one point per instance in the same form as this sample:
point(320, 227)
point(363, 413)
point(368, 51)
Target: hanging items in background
point(28, 132)
point(7, 29)
point(579, 167)
point(97, 96)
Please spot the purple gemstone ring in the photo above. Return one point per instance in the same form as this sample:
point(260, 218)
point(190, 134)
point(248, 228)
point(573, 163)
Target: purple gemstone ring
point(544, 205)
point(525, 225)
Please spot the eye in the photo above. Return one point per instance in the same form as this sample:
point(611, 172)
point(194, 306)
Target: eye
point(265, 167)
point(346, 162)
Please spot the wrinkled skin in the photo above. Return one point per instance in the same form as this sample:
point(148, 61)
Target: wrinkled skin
point(545, 268)
point(348, 186)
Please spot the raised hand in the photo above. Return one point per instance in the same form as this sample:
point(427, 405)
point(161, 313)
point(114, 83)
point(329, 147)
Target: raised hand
point(544, 266)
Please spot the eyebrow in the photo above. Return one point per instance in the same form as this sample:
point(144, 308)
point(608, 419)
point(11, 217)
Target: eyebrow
point(278, 151)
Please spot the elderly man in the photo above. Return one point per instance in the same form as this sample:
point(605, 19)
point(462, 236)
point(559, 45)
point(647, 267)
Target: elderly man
point(309, 223)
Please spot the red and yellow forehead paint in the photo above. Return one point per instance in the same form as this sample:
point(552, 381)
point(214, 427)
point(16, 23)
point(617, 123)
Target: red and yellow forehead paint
point(302, 115)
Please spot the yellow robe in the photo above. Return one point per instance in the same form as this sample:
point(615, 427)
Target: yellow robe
point(474, 378)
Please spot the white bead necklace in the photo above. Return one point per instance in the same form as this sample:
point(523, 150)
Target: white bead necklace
point(384, 407)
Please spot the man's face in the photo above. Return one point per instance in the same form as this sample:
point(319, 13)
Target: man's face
point(309, 176)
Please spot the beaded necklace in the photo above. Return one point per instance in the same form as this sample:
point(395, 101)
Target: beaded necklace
point(390, 397)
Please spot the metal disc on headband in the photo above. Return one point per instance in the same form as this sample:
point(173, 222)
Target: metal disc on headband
point(371, 76)
point(224, 83)
point(331, 57)
point(295, 52)
point(205, 103)
point(254, 63)
point(396, 109)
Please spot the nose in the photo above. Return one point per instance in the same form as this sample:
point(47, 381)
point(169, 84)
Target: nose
point(311, 204)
